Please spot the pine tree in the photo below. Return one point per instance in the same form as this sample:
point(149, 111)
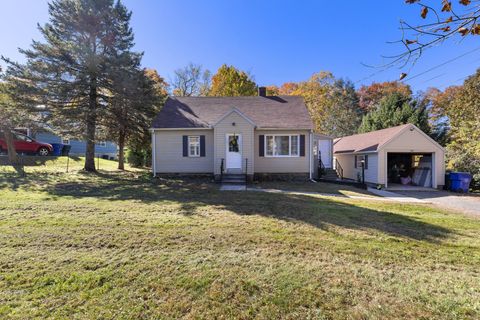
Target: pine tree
point(134, 103)
point(69, 71)
point(394, 110)
point(139, 143)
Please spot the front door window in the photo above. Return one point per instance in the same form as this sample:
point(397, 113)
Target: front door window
point(233, 144)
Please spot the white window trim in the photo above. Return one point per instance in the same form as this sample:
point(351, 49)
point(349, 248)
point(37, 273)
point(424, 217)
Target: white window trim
point(102, 144)
point(66, 139)
point(289, 146)
point(360, 157)
point(190, 155)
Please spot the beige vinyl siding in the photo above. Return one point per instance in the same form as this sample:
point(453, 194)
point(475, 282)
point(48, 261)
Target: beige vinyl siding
point(414, 142)
point(371, 174)
point(282, 164)
point(406, 142)
point(347, 161)
point(169, 152)
point(242, 126)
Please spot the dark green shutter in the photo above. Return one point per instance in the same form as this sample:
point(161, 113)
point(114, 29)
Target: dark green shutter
point(302, 145)
point(185, 146)
point(261, 145)
point(202, 146)
point(355, 159)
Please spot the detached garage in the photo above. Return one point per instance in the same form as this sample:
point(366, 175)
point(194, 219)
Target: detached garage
point(402, 157)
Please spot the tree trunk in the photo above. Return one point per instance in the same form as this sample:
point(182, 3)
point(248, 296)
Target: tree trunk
point(91, 126)
point(12, 154)
point(121, 150)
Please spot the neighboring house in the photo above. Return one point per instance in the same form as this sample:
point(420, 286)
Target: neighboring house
point(395, 157)
point(104, 149)
point(256, 136)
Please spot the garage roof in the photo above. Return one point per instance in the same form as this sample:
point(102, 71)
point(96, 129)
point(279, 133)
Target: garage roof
point(367, 142)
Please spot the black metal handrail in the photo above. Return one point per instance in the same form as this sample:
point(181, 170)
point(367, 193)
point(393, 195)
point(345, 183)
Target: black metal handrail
point(246, 169)
point(321, 168)
point(338, 169)
point(222, 169)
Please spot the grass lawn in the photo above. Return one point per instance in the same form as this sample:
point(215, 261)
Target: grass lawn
point(319, 187)
point(118, 245)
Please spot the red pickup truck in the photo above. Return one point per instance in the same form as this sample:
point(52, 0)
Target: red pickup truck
point(26, 144)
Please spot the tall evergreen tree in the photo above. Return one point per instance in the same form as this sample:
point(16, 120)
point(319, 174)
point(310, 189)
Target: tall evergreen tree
point(394, 110)
point(69, 71)
point(134, 103)
point(154, 94)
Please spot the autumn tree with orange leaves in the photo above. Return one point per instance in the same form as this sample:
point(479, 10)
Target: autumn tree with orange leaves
point(370, 96)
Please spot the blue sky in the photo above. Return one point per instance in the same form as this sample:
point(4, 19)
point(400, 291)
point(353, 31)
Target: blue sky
point(276, 41)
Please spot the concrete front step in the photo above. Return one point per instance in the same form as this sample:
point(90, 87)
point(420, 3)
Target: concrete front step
point(328, 176)
point(234, 179)
point(236, 183)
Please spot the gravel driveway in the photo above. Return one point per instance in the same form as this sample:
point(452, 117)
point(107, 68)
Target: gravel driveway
point(462, 202)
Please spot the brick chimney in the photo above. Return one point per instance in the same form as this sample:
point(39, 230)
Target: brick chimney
point(262, 91)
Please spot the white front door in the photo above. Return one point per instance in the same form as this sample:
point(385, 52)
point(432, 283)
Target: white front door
point(234, 151)
point(325, 149)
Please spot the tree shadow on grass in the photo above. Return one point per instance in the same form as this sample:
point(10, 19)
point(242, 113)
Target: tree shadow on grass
point(192, 195)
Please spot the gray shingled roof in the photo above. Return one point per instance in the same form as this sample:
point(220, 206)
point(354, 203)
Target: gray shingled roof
point(366, 142)
point(284, 112)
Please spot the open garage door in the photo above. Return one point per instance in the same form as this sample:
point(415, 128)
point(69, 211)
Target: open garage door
point(410, 170)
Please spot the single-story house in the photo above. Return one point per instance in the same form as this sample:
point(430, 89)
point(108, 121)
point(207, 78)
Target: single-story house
point(396, 157)
point(260, 136)
point(103, 149)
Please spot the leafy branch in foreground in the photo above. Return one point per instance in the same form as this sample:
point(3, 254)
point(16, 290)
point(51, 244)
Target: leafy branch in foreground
point(442, 22)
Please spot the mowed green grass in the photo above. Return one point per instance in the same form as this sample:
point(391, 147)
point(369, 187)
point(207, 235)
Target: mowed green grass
point(119, 245)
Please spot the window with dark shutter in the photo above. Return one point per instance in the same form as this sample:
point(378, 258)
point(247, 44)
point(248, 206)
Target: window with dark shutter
point(202, 146)
point(302, 145)
point(185, 146)
point(261, 145)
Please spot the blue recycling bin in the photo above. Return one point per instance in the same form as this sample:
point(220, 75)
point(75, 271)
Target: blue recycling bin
point(460, 181)
point(57, 149)
point(448, 182)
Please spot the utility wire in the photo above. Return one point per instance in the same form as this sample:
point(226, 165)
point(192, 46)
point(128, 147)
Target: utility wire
point(424, 72)
point(436, 77)
point(441, 64)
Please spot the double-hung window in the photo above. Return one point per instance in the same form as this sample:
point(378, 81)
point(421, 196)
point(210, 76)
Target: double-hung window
point(66, 141)
point(194, 146)
point(359, 159)
point(282, 145)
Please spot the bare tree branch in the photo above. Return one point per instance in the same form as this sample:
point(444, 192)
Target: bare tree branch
point(453, 20)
